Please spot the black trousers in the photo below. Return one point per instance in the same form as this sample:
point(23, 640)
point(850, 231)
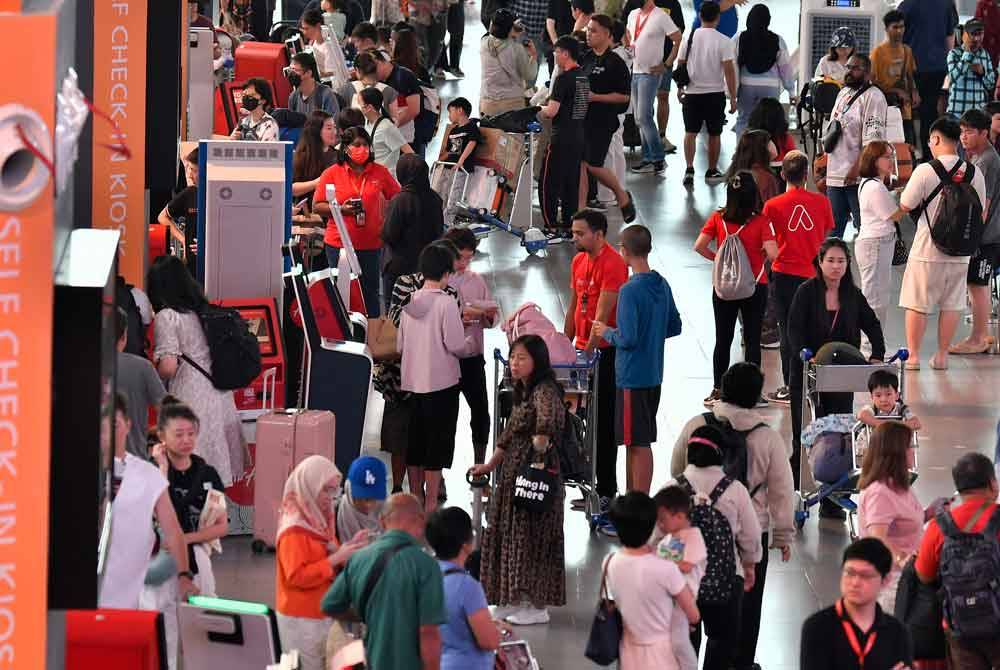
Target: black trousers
point(784, 287)
point(929, 87)
point(473, 388)
point(726, 312)
point(607, 445)
point(750, 621)
point(559, 185)
point(722, 628)
point(452, 56)
point(825, 403)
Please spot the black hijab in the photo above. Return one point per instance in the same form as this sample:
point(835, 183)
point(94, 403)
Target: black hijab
point(758, 45)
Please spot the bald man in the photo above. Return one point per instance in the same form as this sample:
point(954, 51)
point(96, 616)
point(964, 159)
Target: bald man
point(405, 601)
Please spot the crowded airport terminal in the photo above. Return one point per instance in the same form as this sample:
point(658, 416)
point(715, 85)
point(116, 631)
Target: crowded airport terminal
point(500, 335)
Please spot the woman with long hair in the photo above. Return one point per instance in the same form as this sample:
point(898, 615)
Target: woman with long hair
point(753, 154)
point(833, 65)
point(406, 52)
point(741, 217)
point(769, 115)
point(764, 65)
point(183, 360)
point(888, 508)
point(521, 573)
point(314, 153)
point(880, 214)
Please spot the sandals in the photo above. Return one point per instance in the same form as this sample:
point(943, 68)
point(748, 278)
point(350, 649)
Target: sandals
point(935, 365)
point(912, 365)
point(966, 347)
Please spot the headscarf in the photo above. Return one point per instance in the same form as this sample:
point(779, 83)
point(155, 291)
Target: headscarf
point(758, 45)
point(350, 519)
point(304, 505)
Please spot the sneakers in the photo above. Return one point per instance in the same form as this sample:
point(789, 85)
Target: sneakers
point(457, 72)
point(598, 205)
point(501, 612)
point(605, 527)
point(689, 177)
point(762, 402)
point(714, 176)
point(660, 166)
point(439, 73)
point(644, 167)
point(782, 396)
point(770, 344)
point(668, 146)
point(529, 616)
point(628, 211)
point(712, 398)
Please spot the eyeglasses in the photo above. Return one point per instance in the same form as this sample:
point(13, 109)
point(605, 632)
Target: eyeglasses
point(852, 68)
point(865, 575)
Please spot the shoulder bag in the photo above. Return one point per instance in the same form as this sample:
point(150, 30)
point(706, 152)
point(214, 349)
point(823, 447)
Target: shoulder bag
point(835, 129)
point(680, 75)
point(606, 630)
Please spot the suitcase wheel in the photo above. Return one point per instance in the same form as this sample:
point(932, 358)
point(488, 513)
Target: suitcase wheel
point(258, 546)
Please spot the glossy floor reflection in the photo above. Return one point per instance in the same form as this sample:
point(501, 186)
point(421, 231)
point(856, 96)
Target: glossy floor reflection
point(959, 406)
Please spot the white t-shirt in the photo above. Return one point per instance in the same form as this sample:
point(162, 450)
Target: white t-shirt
point(831, 69)
point(877, 205)
point(386, 143)
point(924, 180)
point(132, 535)
point(687, 545)
point(647, 48)
point(709, 50)
point(644, 588)
point(862, 121)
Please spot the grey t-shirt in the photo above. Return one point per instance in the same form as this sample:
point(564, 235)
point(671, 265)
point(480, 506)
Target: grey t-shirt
point(321, 98)
point(349, 92)
point(989, 163)
point(142, 387)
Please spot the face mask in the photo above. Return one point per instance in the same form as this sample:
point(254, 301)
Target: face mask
point(294, 78)
point(250, 104)
point(358, 155)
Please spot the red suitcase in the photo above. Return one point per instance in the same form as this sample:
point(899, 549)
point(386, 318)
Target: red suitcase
point(284, 439)
point(265, 60)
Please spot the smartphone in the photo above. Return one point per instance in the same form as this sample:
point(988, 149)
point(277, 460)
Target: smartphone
point(302, 203)
point(517, 655)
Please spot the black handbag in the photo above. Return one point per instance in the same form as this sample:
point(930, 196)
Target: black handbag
point(900, 253)
point(606, 631)
point(834, 129)
point(918, 607)
point(680, 75)
point(535, 488)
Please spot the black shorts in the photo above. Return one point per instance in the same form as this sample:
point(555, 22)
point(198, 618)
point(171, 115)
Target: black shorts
point(983, 264)
point(704, 109)
point(595, 149)
point(635, 416)
point(433, 422)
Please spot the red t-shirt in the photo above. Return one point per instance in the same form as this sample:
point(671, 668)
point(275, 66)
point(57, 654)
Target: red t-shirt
point(607, 272)
point(784, 145)
point(378, 185)
point(754, 234)
point(929, 554)
point(801, 221)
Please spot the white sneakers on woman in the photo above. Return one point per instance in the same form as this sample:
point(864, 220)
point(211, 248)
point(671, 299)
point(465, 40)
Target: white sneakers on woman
point(528, 616)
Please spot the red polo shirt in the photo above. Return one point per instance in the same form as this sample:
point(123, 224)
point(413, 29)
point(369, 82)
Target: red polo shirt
point(606, 272)
point(375, 186)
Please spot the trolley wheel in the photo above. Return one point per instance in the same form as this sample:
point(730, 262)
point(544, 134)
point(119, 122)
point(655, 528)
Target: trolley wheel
point(258, 546)
point(800, 519)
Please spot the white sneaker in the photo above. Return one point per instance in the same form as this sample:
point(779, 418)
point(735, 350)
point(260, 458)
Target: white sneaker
point(501, 612)
point(529, 616)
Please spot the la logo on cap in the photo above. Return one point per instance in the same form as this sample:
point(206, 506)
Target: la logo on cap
point(369, 478)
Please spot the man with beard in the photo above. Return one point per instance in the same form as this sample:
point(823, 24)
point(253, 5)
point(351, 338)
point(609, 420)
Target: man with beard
point(860, 110)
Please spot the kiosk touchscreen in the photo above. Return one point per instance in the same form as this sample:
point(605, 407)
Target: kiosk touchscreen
point(217, 633)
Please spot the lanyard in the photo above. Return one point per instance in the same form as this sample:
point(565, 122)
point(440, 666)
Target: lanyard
point(640, 22)
point(833, 325)
point(360, 189)
point(852, 638)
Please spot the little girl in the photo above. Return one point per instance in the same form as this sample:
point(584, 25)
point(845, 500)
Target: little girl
point(834, 65)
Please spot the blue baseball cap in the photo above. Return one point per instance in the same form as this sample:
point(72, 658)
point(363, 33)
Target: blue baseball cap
point(368, 478)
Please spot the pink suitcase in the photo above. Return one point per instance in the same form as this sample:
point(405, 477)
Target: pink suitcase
point(284, 439)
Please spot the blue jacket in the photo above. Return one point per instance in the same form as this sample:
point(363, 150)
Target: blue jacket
point(646, 317)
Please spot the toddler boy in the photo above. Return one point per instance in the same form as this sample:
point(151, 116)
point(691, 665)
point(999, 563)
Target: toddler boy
point(884, 388)
point(464, 135)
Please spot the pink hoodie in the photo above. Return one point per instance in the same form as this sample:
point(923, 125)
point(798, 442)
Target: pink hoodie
point(431, 340)
point(472, 287)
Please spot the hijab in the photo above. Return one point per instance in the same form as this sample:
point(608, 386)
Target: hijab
point(758, 46)
point(305, 504)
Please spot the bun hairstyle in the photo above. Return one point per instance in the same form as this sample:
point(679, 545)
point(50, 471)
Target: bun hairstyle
point(172, 408)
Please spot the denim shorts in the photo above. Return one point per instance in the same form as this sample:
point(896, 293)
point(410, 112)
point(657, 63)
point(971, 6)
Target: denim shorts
point(667, 79)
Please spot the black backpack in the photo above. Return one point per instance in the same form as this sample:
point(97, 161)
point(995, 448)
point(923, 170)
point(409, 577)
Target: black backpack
point(970, 576)
point(735, 461)
point(136, 340)
point(958, 225)
point(720, 572)
point(234, 349)
point(574, 461)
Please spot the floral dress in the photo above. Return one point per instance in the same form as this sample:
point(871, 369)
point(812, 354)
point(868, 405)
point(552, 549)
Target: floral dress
point(220, 435)
point(523, 552)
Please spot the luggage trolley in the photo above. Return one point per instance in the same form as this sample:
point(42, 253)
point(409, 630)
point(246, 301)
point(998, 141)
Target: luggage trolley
point(579, 382)
point(838, 379)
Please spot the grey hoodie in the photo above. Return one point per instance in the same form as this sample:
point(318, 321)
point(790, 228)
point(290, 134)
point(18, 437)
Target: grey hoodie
point(506, 68)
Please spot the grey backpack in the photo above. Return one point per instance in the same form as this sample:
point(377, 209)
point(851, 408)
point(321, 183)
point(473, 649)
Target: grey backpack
point(732, 277)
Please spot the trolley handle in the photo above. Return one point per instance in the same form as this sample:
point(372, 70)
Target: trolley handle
point(477, 482)
point(590, 364)
point(901, 355)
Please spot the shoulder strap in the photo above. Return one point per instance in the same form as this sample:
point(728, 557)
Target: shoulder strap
point(379, 120)
point(993, 527)
point(974, 519)
point(710, 419)
point(855, 97)
point(189, 361)
point(683, 482)
point(947, 524)
point(604, 577)
point(719, 489)
point(376, 573)
point(944, 176)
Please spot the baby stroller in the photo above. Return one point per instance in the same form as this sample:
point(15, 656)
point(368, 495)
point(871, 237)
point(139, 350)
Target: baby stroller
point(835, 443)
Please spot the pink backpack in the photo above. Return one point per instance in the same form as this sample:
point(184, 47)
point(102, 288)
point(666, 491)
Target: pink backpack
point(528, 319)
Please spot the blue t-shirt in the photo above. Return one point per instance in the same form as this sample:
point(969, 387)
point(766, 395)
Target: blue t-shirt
point(463, 596)
point(928, 24)
point(729, 22)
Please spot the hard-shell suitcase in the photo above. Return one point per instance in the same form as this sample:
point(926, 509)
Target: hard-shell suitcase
point(267, 61)
point(284, 439)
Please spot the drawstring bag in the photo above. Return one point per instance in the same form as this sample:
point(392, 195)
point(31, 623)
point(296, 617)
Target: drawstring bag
point(732, 277)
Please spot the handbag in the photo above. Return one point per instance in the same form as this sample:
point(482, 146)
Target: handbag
point(535, 488)
point(918, 607)
point(606, 630)
point(834, 130)
point(900, 253)
point(680, 75)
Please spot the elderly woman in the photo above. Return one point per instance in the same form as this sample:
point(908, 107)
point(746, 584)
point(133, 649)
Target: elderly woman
point(518, 565)
point(509, 66)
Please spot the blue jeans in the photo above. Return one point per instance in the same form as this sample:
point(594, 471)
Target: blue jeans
point(370, 261)
point(747, 99)
point(644, 88)
point(844, 201)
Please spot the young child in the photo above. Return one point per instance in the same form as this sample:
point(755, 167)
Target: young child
point(464, 135)
point(479, 311)
point(678, 541)
point(884, 388)
point(387, 140)
point(833, 65)
point(893, 67)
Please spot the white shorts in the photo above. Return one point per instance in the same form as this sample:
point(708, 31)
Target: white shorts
point(928, 285)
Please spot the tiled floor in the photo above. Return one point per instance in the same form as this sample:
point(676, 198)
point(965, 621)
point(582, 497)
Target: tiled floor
point(959, 407)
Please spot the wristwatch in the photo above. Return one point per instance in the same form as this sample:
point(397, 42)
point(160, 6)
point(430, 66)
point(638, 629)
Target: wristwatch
point(186, 573)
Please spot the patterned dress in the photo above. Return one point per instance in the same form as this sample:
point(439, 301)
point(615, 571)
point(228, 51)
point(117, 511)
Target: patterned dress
point(220, 436)
point(523, 553)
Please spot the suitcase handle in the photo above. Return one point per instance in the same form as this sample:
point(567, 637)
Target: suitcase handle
point(270, 378)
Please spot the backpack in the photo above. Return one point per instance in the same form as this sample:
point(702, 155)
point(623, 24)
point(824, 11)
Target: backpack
point(958, 225)
point(234, 349)
point(970, 576)
point(735, 461)
point(528, 319)
point(425, 126)
point(732, 277)
point(574, 460)
point(720, 573)
point(136, 342)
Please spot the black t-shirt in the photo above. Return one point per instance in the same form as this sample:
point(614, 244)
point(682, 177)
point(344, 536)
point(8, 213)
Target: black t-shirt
point(184, 206)
point(825, 645)
point(459, 137)
point(673, 8)
point(188, 493)
point(572, 91)
point(562, 14)
point(404, 81)
point(607, 74)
